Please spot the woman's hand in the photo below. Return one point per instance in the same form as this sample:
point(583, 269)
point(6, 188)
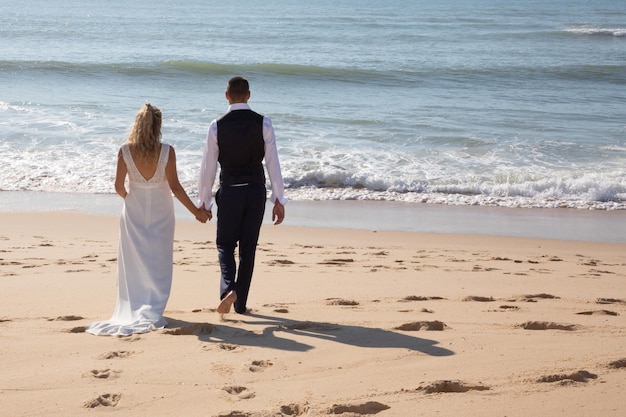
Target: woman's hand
point(203, 214)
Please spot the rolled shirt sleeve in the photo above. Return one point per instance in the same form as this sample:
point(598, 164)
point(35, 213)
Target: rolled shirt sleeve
point(272, 163)
point(208, 167)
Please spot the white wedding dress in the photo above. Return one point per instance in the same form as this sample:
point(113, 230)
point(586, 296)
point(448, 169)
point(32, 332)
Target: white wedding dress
point(145, 253)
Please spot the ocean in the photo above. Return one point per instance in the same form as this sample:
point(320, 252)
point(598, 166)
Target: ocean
point(460, 102)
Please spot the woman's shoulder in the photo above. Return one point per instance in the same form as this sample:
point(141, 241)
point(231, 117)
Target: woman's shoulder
point(167, 147)
point(167, 151)
point(124, 149)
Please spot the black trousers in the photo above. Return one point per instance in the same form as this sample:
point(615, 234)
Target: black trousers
point(240, 211)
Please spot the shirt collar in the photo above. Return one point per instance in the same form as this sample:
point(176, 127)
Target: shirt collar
point(239, 106)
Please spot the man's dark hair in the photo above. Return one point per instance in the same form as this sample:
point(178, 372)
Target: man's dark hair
point(238, 88)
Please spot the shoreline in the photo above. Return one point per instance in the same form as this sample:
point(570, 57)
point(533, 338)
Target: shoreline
point(542, 223)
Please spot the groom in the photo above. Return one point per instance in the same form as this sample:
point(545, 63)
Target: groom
point(240, 140)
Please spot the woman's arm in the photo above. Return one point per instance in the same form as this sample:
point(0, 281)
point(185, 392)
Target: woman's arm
point(180, 193)
point(120, 175)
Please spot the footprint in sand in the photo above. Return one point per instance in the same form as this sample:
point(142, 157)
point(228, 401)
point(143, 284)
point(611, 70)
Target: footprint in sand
point(547, 325)
point(478, 298)
point(478, 268)
point(130, 338)
point(370, 407)
point(599, 313)
point(421, 325)
point(580, 376)
point(506, 307)
point(67, 318)
point(341, 302)
point(419, 298)
point(285, 410)
point(104, 400)
point(259, 366)
point(103, 373)
point(426, 310)
point(278, 308)
point(336, 262)
point(620, 363)
point(234, 389)
point(599, 272)
point(116, 354)
point(280, 262)
point(10, 263)
point(195, 329)
point(241, 392)
point(78, 329)
point(203, 310)
point(375, 268)
point(532, 298)
point(451, 386)
point(309, 246)
point(228, 346)
point(610, 301)
point(294, 409)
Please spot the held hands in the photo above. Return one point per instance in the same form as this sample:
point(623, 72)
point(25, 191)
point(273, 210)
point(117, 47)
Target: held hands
point(203, 214)
point(278, 213)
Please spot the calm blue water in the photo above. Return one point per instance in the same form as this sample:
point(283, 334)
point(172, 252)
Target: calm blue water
point(478, 102)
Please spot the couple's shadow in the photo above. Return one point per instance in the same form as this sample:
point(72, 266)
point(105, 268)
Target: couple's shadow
point(271, 330)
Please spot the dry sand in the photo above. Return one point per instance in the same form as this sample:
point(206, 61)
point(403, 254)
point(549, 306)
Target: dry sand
point(343, 322)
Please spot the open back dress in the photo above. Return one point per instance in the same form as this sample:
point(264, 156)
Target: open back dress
point(145, 252)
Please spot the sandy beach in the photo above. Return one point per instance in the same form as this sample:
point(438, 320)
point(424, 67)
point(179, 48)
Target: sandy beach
point(344, 322)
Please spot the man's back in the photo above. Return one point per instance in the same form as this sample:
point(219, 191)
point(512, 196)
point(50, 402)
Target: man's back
point(241, 147)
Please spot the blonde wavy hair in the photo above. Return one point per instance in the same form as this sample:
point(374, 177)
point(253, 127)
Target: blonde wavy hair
point(145, 136)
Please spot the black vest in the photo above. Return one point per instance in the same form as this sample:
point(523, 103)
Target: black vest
point(241, 147)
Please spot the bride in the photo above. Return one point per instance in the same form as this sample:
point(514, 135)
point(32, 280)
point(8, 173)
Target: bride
point(145, 252)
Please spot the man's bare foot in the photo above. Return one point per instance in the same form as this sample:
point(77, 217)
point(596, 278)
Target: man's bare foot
point(227, 303)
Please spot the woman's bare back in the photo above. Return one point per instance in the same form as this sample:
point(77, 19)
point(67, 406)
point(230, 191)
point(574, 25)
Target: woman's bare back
point(147, 169)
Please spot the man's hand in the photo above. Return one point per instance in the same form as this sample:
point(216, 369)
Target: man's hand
point(207, 214)
point(278, 213)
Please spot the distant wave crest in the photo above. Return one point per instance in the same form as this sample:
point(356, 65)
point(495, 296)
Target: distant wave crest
point(617, 32)
point(369, 76)
point(205, 68)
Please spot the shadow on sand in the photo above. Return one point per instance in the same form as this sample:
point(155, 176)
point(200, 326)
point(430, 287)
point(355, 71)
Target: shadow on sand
point(273, 329)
